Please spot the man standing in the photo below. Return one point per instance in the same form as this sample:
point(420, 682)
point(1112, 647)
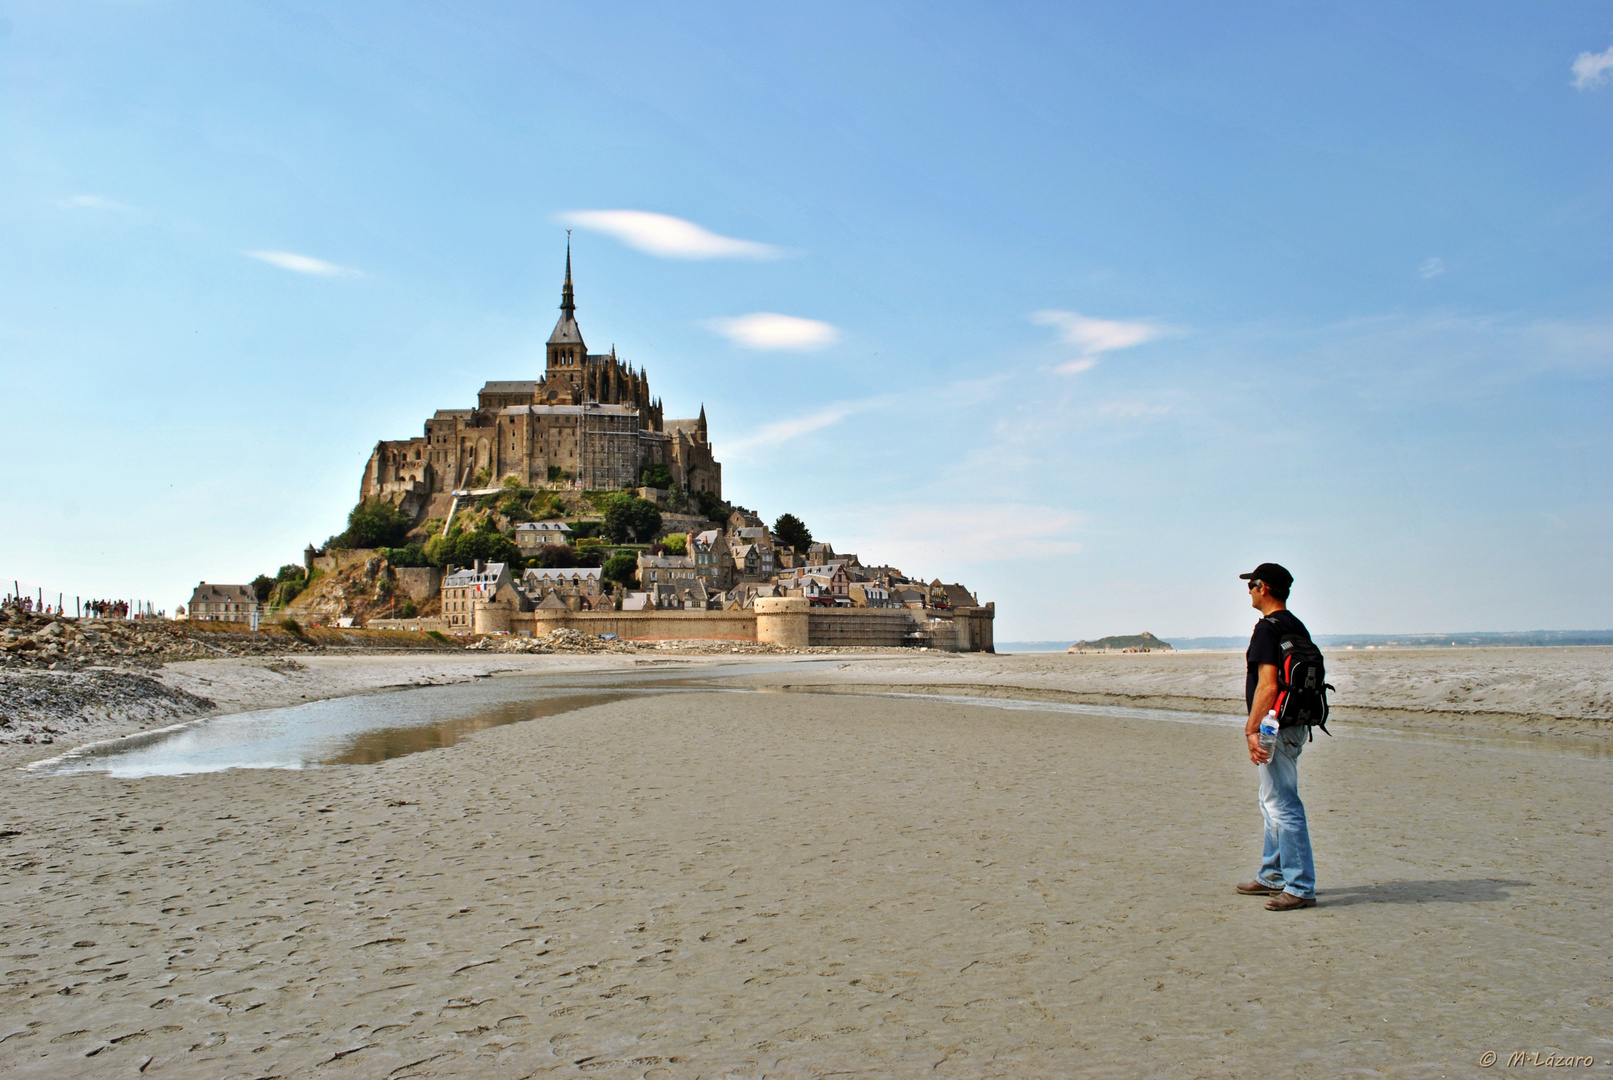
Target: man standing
point(1287, 875)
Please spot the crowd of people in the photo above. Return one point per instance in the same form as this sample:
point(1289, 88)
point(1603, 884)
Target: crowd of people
point(92, 609)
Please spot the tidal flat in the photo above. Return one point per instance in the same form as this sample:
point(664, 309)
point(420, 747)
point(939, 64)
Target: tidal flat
point(883, 866)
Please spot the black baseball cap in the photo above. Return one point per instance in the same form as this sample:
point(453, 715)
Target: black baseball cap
point(1271, 574)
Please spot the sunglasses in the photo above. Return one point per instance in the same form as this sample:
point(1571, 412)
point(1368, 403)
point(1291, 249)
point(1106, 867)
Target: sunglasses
point(1255, 584)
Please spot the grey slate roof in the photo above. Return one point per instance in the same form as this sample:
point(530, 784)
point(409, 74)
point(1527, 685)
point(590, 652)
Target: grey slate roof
point(566, 331)
point(469, 576)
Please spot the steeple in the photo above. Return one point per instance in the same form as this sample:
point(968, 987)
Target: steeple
point(568, 302)
point(566, 350)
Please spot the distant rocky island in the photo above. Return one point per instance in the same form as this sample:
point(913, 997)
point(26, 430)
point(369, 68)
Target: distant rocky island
point(1143, 642)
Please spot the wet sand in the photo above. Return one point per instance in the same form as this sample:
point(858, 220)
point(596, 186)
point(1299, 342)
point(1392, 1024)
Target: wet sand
point(809, 884)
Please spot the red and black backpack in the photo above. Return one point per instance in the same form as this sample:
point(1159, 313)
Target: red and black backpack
point(1302, 684)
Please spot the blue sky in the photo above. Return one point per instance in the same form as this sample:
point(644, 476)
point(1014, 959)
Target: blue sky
point(1091, 310)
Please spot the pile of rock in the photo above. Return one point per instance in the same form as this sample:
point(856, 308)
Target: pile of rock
point(29, 641)
point(563, 639)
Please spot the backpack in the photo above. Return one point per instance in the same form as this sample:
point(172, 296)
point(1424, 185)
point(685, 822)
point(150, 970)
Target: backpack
point(1302, 684)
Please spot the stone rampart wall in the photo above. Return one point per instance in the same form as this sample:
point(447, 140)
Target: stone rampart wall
point(640, 625)
point(869, 627)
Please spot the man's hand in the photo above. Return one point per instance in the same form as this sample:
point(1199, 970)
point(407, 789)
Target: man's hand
point(1257, 753)
point(1265, 700)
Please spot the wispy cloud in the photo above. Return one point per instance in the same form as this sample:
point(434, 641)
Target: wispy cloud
point(782, 431)
point(770, 330)
point(667, 236)
point(304, 264)
point(927, 540)
point(1431, 269)
point(1093, 337)
point(91, 202)
point(1590, 69)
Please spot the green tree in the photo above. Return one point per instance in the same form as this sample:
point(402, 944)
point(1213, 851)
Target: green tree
point(655, 476)
point(675, 543)
point(486, 543)
point(554, 557)
point(628, 517)
point(711, 506)
point(375, 523)
point(621, 568)
point(791, 530)
point(262, 586)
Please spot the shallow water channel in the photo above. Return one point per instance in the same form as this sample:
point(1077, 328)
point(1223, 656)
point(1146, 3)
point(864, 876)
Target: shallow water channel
point(365, 729)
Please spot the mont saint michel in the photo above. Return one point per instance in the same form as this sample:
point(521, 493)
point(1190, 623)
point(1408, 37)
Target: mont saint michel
point(590, 420)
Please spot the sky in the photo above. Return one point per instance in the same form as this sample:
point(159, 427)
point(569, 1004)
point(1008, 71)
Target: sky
point(1090, 307)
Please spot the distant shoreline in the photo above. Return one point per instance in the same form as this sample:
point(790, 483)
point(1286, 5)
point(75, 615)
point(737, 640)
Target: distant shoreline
point(1525, 639)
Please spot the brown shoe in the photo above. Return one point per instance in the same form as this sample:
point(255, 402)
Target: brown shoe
point(1257, 888)
point(1287, 901)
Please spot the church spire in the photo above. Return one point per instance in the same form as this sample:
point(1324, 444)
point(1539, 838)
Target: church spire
point(568, 303)
point(566, 332)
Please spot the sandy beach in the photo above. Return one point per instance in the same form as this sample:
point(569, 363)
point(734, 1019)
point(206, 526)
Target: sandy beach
point(817, 878)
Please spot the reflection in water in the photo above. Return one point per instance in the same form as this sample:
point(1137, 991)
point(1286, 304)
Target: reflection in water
point(372, 746)
point(339, 731)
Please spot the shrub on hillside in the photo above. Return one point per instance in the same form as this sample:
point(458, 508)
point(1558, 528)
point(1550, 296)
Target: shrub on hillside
point(655, 476)
point(413, 555)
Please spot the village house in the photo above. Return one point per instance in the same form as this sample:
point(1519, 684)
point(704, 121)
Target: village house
point(574, 588)
point(535, 534)
point(835, 574)
point(674, 570)
point(483, 581)
point(742, 518)
point(818, 588)
point(711, 562)
point(223, 603)
point(742, 596)
point(869, 594)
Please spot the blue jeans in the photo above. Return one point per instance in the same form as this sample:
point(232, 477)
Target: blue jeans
point(1286, 861)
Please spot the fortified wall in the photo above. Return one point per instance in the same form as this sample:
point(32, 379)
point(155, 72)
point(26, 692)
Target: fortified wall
point(786, 621)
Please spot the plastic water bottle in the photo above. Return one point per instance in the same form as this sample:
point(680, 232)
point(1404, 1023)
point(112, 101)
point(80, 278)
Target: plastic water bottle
point(1268, 733)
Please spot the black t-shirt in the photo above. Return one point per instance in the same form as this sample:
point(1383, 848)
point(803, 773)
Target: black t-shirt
point(1263, 649)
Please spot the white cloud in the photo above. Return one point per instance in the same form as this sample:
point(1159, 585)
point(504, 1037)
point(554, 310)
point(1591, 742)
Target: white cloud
point(1432, 268)
point(782, 431)
point(770, 330)
point(1590, 69)
point(91, 202)
point(304, 264)
point(1094, 337)
point(1075, 367)
point(667, 236)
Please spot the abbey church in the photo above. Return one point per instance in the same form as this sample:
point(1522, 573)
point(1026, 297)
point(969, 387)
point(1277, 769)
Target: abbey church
point(589, 422)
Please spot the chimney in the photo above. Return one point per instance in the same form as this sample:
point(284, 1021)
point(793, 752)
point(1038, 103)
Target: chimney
point(481, 566)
